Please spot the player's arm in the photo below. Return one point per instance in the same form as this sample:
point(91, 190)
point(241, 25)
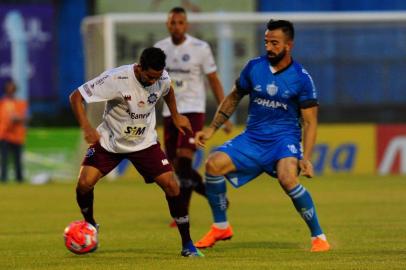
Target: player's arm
point(76, 101)
point(226, 108)
point(309, 116)
point(216, 86)
point(180, 121)
point(218, 93)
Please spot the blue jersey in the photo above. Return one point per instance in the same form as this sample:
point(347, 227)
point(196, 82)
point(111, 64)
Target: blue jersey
point(275, 99)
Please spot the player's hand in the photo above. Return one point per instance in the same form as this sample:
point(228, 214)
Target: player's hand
point(91, 135)
point(228, 127)
point(182, 124)
point(306, 168)
point(202, 136)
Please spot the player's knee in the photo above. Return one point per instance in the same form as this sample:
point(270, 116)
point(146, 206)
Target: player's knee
point(287, 180)
point(168, 184)
point(84, 185)
point(171, 188)
point(212, 167)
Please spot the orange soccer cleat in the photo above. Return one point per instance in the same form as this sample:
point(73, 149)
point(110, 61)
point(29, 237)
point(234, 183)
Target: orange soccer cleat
point(215, 234)
point(320, 245)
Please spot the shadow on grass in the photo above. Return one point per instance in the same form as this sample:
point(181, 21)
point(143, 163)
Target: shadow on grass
point(259, 245)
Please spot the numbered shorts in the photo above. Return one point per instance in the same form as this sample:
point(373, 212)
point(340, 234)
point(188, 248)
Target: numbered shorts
point(251, 157)
point(174, 139)
point(150, 162)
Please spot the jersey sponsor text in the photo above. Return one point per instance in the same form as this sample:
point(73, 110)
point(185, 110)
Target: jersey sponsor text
point(270, 103)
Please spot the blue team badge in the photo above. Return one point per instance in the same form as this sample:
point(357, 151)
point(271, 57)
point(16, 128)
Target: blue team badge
point(152, 98)
point(185, 57)
point(90, 152)
point(272, 89)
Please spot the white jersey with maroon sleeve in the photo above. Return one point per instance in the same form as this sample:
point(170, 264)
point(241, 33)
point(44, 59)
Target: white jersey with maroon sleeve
point(129, 117)
point(187, 64)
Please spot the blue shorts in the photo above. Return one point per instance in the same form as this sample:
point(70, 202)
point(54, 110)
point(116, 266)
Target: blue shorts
point(253, 157)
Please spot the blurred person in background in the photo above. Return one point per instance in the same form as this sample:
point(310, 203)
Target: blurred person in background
point(282, 100)
point(13, 117)
point(189, 61)
point(128, 132)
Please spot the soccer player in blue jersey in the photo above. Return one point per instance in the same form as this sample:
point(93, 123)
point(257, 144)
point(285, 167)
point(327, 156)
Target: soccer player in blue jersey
point(283, 99)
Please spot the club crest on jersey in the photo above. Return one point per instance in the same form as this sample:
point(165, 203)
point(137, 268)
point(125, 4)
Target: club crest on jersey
point(272, 89)
point(185, 57)
point(152, 98)
point(141, 104)
point(90, 152)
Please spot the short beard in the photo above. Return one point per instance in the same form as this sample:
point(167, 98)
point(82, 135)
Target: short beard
point(277, 58)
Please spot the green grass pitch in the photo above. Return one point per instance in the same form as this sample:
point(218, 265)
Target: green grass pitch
point(363, 217)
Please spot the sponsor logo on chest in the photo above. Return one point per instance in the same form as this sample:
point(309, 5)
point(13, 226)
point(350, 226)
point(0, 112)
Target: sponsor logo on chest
point(270, 103)
point(137, 115)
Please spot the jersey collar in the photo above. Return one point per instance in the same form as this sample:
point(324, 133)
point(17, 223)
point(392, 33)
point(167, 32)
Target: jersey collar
point(283, 69)
point(186, 41)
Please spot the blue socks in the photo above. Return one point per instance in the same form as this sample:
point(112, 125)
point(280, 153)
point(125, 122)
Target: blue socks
point(304, 205)
point(216, 195)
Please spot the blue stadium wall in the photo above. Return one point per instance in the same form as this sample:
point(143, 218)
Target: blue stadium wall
point(70, 47)
point(357, 69)
point(330, 5)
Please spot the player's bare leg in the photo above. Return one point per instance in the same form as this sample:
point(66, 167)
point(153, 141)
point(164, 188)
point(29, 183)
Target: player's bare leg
point(179, 212)
point(88, 177)
point(302, 200)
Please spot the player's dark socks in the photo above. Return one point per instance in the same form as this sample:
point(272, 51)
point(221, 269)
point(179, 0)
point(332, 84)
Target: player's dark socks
point(184, 172)
point(199, 185)
point(186, 195)
point(184, 168)
point(85, 202)
point(179, 212)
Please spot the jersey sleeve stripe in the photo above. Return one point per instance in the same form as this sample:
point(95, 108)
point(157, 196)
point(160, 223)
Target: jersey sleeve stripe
point(309, 103)
point(239, 87)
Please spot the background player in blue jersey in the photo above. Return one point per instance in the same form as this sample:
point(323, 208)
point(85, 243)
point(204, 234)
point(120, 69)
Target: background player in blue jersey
point(282, 100)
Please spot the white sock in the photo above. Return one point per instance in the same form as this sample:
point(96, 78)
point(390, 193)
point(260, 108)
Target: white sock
point(221, 225)
point(321, 236)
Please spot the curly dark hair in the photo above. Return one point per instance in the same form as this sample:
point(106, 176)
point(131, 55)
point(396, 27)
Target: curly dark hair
point(153, 58)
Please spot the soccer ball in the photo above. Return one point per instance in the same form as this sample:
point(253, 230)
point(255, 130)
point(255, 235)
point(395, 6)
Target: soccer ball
point(80, 237)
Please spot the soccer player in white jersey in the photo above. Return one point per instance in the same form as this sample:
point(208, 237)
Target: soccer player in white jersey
point(189, 60)
point(128, 132)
